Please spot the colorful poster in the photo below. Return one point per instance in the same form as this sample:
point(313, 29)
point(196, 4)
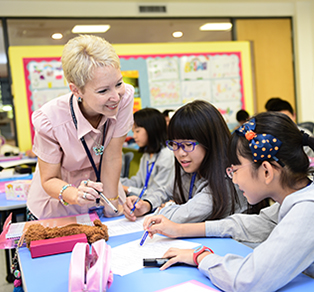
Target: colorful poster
point(160, 69)
point(167, 76)
point(198, 89)
point(214, 77)
point(45, 81)
point(164, 93)
point(194, 67)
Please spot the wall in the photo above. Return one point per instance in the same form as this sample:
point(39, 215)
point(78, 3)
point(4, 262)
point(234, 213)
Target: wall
point(272, 57)
point(301, 11)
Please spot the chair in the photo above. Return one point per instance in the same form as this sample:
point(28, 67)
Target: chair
point(307, 125)
point(128, 156)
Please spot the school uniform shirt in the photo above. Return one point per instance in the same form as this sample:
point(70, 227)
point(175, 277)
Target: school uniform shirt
point(286, 237)
point(58, 141)
point(196, 209)
point(162, 171)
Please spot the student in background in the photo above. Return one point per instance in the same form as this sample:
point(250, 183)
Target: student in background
point(276, 104)
point(157, 162)
point(167, 114)
point(242, 116)
point(262, 166)
point(198, 136)
point(79, 136)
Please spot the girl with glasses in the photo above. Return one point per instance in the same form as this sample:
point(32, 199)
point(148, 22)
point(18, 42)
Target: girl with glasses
point(268, 160)
point(200, 190)
point(157, 162)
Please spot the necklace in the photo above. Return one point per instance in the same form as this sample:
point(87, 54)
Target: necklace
point(98, 148)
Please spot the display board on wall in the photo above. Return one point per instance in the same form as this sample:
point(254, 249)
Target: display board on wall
point(164, 75)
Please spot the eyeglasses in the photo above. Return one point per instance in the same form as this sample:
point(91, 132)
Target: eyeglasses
point(230, 170)
point(187, 146)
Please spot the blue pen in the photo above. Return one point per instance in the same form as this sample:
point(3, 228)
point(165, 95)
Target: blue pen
point(146, 234)
point(139, 197)
point(148, 173)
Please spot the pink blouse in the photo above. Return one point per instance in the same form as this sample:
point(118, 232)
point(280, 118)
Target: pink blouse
point(58, 141)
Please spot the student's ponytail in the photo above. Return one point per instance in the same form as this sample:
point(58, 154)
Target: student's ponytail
point(307, 140)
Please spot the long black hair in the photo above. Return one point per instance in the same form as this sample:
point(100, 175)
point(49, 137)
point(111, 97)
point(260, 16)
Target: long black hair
point(155, 125)
point(201, 121)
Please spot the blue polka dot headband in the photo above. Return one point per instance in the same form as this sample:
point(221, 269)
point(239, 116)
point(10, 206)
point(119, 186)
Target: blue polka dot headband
point(263, 146)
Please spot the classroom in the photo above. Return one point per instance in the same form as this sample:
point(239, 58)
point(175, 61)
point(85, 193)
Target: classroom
point(273, 41)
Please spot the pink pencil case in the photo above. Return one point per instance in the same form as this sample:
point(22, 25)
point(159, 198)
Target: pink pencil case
point(40, 248)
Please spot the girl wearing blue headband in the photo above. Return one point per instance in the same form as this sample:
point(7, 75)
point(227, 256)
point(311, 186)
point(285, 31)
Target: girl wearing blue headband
point(268, 161)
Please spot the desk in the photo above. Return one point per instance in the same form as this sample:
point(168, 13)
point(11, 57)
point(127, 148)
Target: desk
point(50, 273)
point(6, 207)
point(16, 207)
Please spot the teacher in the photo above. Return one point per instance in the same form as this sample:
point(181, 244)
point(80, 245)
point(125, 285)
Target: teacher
point(79, 136)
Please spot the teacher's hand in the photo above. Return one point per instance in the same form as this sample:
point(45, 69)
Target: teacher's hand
point(87, 192)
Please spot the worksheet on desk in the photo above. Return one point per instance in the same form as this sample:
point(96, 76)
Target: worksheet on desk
point(124, 226)
point(128, 257)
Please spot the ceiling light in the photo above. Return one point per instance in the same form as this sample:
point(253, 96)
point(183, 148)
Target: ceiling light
point(216, 26)
point(7, 108)
point(90, 28)
point(177, 34)
point(57, 36)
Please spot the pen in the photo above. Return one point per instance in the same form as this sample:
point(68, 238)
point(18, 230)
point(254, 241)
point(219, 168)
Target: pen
point(137, 200)
point(150, 224)
point(108, 202)
point(146, 234)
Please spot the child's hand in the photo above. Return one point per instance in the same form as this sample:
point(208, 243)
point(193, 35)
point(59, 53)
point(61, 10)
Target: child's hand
point(169, 203)
point(161, 225)
point(178, 255)
point(141, 208)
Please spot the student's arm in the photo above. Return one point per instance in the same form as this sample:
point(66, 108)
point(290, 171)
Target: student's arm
point(287, 252)
point(197, 209)
point(162, 195)
point(245, 227)
point(164, 226)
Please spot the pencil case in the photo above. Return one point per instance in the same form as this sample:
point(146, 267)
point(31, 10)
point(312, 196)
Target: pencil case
point(90, 268)
point(45, 247)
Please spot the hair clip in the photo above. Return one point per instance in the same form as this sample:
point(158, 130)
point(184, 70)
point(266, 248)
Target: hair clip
point(262, 146)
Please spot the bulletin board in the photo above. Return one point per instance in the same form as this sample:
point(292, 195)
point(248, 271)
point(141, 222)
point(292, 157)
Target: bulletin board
point(165, 76)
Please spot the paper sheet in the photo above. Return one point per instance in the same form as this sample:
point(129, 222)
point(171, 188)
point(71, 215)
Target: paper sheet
point(189, 286)
point(124, 226)
point(128, 257)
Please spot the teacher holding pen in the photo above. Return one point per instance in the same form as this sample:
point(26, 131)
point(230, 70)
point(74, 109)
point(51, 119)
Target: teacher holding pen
point(79, 136)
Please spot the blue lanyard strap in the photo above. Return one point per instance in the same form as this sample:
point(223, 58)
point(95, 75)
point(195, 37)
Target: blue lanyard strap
point(148, 173)
point(97, 171)
point(192, 185)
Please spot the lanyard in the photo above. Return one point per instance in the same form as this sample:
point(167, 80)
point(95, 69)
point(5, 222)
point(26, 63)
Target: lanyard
point(97, 171)
point(148, 173)
point(192, 185)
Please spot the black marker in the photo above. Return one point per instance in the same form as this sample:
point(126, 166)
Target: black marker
point(155, 262)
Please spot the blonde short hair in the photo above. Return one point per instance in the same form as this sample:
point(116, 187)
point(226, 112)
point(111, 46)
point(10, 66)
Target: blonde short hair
point(82, 54)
